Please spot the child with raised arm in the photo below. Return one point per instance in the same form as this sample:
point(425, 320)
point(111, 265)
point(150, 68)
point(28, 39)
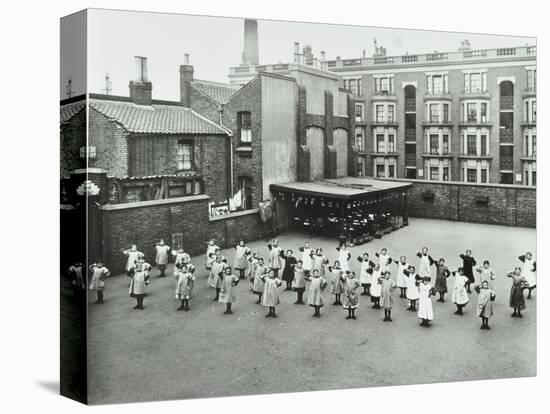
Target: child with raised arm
point(485, 299)
point(337, 285)
point(517, 300)
point(402, 266)
point(529, 271)
point(214, 277)
point(274, 261)
point(139, 282)
point(288, 271)
point(271, 292)
point(425, 308)
point(468, 264)
point(97, 282)
point(387, 285)
point(77, 278)
point(351, 298)
point(315, 293)
point(441, 274)
point(384, 260)
point(133, 255)
point(228, 289)
point(299, 282)
point(343, 257)
point(258, 284)
point(318, 261)
point(252, 264)
point(425, 263)
point(180, 256)
point(460, 292)
point(485, 273)
point(412, 287)
point(210, 254)
point(161, 257)
point(365, 277)
point(241, 258)
point(185, 281)
point(306, 257)
point(376, 287)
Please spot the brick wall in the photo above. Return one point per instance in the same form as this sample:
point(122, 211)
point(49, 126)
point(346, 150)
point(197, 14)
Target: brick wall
point(72, 137)
point(204, 105)
point(144, 224)
point(111, 142)
point(506, 205)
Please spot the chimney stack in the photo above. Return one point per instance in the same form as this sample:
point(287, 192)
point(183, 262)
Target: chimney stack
point(250, 53)
point(323, 55)
point(140, 88)
point(186, 77)
point(297, 52)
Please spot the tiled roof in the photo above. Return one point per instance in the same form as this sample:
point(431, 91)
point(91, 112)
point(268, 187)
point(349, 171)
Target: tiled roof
point(156, 119)
point(66, 112)
point(220, 92)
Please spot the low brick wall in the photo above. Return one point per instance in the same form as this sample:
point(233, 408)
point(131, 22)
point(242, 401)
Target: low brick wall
point(508, 205)
point(145, 223)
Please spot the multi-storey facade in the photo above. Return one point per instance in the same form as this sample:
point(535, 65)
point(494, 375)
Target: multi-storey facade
point(465, 116)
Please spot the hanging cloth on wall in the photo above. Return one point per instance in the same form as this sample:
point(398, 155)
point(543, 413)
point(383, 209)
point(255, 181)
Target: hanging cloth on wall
point(266, 211)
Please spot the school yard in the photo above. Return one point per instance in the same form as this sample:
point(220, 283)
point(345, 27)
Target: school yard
point(159, 353)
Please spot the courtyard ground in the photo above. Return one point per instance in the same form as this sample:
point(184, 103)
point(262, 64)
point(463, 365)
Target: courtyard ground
point(159, 353)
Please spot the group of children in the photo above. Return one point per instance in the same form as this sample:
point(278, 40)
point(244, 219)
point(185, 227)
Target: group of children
point(312, 267)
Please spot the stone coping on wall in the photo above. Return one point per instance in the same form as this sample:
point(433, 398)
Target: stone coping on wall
point(235, 214)
point(461, 183)
point(151, 203)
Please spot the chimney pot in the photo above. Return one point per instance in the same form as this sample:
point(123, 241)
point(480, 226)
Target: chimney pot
point(140, 88)
point(186, 59)
point(322, 55)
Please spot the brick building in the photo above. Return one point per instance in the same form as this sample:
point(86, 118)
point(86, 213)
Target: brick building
point(468, 115)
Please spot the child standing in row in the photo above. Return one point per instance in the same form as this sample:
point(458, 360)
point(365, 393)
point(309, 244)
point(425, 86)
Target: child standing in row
point(343, 257)
point(412, 287)
point(252, 264)
point(460, 293)
point(365, 277)
point(426, 261)
point(274, 258)
point(211, 250)
point(133, 255)
point(485, 299)
point(337, 284)
point(315, 294)
point(185, 281)
point(425, 308)
point(241, 258)
point(318, 262)
point(402, 266)
point(214, 277)
point(441, 274)
point(97, 282)
point(299, 282)
point(227, 293)
point(139, 281)
point(376, 287)
point(161, 257)
point(386, 293)
point(351, 299)
point(306, 258)
point(180, 256)
point(486, 274)
point(258, 284)
point(384, 260)
point(468, 264)
point(77, 278)
point(288, 271)
point(529, 271)
point(271, 292)
point(517, 300)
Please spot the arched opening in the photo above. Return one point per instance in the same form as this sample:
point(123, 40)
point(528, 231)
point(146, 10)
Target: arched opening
point(506, 95)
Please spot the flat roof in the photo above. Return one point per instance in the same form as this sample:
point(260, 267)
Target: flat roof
point(342, 188)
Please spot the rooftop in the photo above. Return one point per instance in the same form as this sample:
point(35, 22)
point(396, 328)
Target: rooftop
point(67, 111)
point(156, 118)
point(220, 92)
point(347, 188)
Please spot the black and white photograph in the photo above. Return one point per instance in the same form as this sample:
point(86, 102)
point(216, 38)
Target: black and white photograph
point(257, 206)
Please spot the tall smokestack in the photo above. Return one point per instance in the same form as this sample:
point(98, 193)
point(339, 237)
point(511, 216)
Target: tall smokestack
point(250, 53)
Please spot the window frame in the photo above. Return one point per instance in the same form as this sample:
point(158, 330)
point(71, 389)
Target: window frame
point(247, 130)
point(182, 143)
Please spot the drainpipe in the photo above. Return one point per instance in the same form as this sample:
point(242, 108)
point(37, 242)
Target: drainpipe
point(230, 136)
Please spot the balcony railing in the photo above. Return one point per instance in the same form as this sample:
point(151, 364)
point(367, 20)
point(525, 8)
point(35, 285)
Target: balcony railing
point(132, 189)
point(410, 104)
point(507, 163)
point(280, 66)
point(509, 51)
point(436, 56)
point(506, 136)
point(506, 102)
point(475, 54)
point(351, 62)
point(409, 58)
point(531, 50)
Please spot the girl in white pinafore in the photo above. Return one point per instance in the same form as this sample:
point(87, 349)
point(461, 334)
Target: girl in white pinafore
point(425, 308)
point(184, 285)
point(529, 271)
point(402, 265)
point(306, 258)
point(139, 282)
point(412, 289)
point(270, 297)
point(426, 261)
point(376, 286)
point(384, 259)
point(228, 289)
point(241, 258)
point(365, 277)
point(344, 257)
point(214, 277)
point(211, 250)
point(460, 292)
point(133, 256)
